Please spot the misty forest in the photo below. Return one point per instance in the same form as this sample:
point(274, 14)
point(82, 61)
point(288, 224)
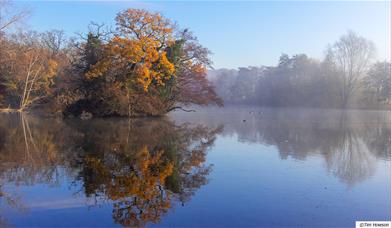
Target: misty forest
point(146, 66)
point(346, 78)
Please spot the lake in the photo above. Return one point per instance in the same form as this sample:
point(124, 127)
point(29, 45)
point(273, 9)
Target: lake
point(234, 166)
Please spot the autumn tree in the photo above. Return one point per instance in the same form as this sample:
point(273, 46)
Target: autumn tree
point(138, 195)
point(145, 67)
point(135, 58)
point(190, 86)
point(28, 71)
point(9, 17)
point(54, 41)
point(142, 166)
point(76, 91)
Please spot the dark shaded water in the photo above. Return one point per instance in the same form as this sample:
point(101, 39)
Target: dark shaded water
point(220, 167)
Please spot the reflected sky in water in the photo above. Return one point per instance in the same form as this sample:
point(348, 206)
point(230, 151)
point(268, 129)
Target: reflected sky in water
point(216, 167)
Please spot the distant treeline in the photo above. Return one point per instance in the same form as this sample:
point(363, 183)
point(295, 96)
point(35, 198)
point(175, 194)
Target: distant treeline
point(346, 77)
point(144, 66)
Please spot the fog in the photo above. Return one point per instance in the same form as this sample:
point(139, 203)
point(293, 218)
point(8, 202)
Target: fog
point(349, 76)
point(350, 141)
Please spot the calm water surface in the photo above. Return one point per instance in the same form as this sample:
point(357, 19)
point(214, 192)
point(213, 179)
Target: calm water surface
point(216, 167)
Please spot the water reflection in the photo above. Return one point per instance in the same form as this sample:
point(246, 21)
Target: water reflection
point(143, 168)
point(140, 166)
point(349, 141)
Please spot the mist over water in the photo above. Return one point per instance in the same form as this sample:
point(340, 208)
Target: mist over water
point(283, 167)
point(349, 140)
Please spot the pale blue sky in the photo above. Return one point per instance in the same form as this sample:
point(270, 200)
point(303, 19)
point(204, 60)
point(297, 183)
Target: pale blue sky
point(239, 33)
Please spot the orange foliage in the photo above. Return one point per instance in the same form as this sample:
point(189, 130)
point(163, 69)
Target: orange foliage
point(30, 70)
point(136, 53)
point(138, 195)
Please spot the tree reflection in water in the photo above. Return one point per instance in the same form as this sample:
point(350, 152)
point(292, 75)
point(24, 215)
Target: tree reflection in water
point(141, 166)
point(349, 141)
point(144, 167)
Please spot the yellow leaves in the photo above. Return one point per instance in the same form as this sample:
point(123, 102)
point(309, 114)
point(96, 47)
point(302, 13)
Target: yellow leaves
point(146, 163)
point(144, 76)
point(169, 169)
point(159, 71)
point(141, 23)
point(51, 72)
point(137, 53)
point(140, 59)
point(198, 69)
point(98, 69)
point(151, 170)
point(164, 69)
point(52, 68)
point(166, 65)
point(142, 187)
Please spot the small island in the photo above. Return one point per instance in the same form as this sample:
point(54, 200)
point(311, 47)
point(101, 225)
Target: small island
point(145, 66)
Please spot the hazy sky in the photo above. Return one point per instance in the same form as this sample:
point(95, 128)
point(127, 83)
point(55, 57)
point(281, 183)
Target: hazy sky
point(239, 33)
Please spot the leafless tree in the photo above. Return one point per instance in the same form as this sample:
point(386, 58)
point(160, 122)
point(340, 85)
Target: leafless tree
point(54, 40)
point(9, 16)
point(350, 57)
